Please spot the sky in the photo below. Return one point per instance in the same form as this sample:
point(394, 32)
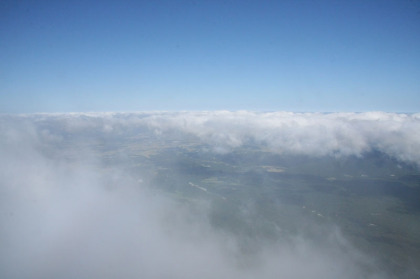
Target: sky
point(316, 56)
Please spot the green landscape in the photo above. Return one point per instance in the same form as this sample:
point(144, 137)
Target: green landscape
point(259, 195)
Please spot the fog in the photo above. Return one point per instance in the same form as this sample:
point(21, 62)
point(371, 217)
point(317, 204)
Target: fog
point(66, 214)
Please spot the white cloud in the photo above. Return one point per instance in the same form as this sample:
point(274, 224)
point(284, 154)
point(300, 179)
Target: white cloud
point(315, 134)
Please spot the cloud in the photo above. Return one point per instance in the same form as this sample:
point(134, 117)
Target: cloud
point(76, 218)
point(313, 134)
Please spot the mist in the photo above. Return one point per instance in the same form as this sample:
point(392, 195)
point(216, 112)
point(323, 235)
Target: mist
point(67, 212)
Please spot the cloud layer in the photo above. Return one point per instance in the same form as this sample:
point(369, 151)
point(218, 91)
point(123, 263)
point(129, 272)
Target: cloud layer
point(314, 134)
point(397, 135)
point(75, 219)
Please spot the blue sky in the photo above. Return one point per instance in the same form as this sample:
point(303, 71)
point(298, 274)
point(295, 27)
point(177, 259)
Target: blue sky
point(60, 56)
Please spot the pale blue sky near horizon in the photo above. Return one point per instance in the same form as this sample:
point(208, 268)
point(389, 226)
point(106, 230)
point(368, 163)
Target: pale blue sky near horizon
point(64, 56)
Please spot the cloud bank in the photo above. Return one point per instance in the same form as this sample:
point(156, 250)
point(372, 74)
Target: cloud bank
point(64, 218)
point(397, 135)
point(313, 134)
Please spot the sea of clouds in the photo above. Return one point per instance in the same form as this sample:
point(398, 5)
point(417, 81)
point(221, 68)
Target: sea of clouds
point(71, 218)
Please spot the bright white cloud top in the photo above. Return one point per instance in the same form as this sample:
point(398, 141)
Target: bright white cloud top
point(314, 134)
